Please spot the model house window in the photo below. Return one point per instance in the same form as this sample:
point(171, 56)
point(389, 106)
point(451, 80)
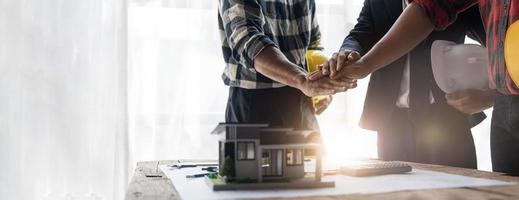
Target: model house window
point(294, 157)
point(265, 159)
point(246, 151)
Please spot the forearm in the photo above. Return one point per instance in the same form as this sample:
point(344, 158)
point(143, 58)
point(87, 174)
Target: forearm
point(352, 44)
point(409, 30)
point(272, 63)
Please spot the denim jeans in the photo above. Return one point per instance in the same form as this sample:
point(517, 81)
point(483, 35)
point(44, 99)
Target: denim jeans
point(504, 139)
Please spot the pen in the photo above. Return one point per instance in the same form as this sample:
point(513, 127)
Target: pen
point(210, 169)
point(197, 175)
point(180, 166)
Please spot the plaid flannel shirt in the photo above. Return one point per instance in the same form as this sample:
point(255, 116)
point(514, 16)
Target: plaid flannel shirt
point(497, 15)
point(246, 27)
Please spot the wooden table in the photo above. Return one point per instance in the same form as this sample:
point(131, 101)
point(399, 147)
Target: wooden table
point(149, 182)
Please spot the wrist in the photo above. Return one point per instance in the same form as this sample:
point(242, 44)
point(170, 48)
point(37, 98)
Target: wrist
point(299, 81)
point(367, 65)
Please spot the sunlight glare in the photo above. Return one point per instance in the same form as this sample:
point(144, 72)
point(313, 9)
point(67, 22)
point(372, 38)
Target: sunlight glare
point(345, 145)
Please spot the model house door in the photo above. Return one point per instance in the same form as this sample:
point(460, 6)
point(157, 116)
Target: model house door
point(272, 162)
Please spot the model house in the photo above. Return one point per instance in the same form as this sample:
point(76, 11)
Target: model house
point(264, 154)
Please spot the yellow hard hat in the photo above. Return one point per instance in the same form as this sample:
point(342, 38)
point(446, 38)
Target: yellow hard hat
point(512, 52)
point(314, 58)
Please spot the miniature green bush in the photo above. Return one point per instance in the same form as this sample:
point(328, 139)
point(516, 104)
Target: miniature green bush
point(227, 168)
point(213, 175)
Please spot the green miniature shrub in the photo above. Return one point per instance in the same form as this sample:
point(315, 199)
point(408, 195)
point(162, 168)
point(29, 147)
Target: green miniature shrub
point(213, 175)
point(227, 169)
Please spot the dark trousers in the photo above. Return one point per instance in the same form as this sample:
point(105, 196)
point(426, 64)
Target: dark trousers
point(442, 137)
point(504, 138)
point(284, 107)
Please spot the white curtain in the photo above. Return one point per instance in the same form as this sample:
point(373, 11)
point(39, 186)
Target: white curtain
point(63, 132)
point(176, 94)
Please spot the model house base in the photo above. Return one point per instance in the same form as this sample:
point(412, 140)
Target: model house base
point(308, 183)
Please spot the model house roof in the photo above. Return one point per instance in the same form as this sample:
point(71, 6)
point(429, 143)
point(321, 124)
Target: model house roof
point(220, 128)
point(267, 135)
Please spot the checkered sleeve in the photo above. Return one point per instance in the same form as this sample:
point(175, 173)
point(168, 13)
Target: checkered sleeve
point(243, 27)
point(444, 12)
point(315, 33)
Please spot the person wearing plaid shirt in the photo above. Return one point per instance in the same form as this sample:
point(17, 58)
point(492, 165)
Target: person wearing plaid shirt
point(417, 22)
point(264, 43)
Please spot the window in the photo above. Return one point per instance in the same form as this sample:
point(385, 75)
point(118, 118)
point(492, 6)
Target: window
point(294, 157)
point(246, 151)
point(265, 159)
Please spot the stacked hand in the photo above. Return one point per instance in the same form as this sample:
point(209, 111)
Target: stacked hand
point(325, 86)
point(344, 64)
point(338, 74)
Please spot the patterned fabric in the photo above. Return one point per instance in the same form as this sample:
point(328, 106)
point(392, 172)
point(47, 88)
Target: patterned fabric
point(246, 27)
point(497, 15)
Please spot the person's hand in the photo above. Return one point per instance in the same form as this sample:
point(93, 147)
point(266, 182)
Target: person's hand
point(356, 70)
point(325, 86)
point(471, 101)
point(322, 103)
point(338, 61)
point(350, 67)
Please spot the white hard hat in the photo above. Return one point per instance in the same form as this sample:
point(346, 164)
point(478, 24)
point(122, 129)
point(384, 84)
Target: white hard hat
point(459, 66)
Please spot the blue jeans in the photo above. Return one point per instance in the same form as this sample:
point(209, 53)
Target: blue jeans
point(504, 138)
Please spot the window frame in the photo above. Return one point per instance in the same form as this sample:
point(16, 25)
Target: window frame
point(294, 152)
point(246, 151)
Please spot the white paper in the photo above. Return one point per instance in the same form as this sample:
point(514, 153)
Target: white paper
point(196, 188)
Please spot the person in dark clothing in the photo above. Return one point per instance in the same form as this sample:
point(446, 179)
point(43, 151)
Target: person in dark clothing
point(403, 104)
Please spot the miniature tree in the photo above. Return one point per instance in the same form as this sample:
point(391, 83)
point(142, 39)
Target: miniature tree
point(227, 169)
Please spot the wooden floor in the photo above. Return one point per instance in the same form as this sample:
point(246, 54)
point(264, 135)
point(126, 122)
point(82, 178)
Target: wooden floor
point(149, 182)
